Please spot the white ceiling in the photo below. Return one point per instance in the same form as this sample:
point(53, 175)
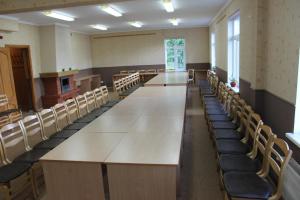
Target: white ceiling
point(192, 13)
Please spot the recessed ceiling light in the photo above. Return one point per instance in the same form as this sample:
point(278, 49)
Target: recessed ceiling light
point(175, 22)
point(99, 27)
point(110, 10)
point(136, 24)
point(168, 5)
point(58, 15)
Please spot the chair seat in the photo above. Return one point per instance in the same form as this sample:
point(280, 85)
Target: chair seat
point(49, 144)
point(32, 156)
point(231, 134)
point(231, 147)
point(238, 163)
point(12, 171)
point(64, 134)
point(75, 126)
point(215, 111)
point(87, 118)
point(223, 125)
point(217, 118)
point(246, 185)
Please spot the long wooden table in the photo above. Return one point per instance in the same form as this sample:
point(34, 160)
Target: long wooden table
point(168, 79)
point(138, 140)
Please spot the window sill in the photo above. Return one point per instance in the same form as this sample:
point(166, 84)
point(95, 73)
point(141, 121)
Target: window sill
point(235, 89)
point(294, 137)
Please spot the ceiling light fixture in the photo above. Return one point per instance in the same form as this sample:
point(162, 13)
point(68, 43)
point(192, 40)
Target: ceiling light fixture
point(99, 27)
point(168, 5)
point(175, 22)
point(58, 15)
point(111, 10)
point(136, 24)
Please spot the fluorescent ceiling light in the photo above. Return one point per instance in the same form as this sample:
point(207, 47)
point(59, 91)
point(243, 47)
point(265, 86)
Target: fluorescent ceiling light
point(175, 22)
point(58, 15)
point(99, 27)
point(168, 5)
point(111, 11)
point(136, 24)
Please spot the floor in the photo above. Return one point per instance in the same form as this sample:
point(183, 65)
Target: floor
point(199, 177)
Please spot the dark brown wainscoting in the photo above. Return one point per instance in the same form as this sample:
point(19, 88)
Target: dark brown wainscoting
point(222, 74)
point(108, 72)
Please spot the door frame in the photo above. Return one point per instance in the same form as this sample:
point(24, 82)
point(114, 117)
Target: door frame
point(33, 95)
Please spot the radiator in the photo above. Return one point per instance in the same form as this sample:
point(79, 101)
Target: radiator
point(291, 181)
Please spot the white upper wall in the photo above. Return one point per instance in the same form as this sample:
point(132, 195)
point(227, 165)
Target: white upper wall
point(147, 49)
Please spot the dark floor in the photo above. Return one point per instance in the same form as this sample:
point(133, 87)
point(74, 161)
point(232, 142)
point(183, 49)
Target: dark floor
point(199, 177)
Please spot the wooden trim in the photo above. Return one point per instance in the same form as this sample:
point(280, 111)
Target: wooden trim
point(33, 95)
point(58, 74)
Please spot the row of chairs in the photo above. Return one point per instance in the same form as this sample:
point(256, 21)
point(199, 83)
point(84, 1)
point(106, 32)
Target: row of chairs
point(9, 111)
point(251, 159)
point(25, 142)
point(142, 71)
point(126, 85)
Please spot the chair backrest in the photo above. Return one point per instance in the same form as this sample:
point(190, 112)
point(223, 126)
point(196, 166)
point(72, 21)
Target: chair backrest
point(82, 105)
point(104, 94)
point(98, 97)
point(151, 71)
point(160, 70)
point(32, 130)
point(15, 116)
point(61, 114)
point(253, 123)
point(118, 85)
point(13, 141)
point(131, 71)
point(48, 121)
point(90, 100)
point(278, 157)
point(263, 141)
point(191, 73)
point(4, 120)
point(124, 72)
point(72, 109)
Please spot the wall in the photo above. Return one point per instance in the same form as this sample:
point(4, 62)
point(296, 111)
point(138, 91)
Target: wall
point(48, 48)
point(63, 48)
point(27, 35)
point(113, 50)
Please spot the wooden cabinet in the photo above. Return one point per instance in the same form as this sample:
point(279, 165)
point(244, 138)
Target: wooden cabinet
point(7, 84)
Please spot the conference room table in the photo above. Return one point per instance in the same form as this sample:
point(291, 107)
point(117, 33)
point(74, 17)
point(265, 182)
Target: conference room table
point(168, 79)
point(132, 151)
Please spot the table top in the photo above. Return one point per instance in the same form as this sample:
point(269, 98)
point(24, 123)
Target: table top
point(144, 128)
point(168, 79)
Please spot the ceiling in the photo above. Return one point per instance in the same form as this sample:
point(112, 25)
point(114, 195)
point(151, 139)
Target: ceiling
point(191, 13)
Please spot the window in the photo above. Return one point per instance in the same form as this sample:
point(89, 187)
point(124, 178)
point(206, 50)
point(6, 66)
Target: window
point(234, 48)
point(175, 54)
point(297, 111)
point(213, 50)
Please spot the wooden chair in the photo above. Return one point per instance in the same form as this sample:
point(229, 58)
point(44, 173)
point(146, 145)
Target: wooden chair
point(16, 178)
point(124, 72)
point(98, 97)
point(5, 104)
point(15, 116)
point(249, 185)
point(191, 76)
point(151, 71)
point(160, 70)
point(90, 100)
point(131, 71)
point(61, 115)
point(72, 109)
point(82, 105)
point(4, 120)
point(105, 95)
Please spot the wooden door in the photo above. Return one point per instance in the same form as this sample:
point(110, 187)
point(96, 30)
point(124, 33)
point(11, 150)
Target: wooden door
point(22, 77)
point(7, 85)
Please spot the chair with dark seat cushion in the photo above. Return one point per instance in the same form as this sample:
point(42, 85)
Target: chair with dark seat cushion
point(50, 143)
point(32, 156)
point(64, 134)
point(12, 171)
point(238, 163)
point(215, 111)
point(231, 147)
point(247, 185)
point(226, 134)
point(75, 126)
point(217, 118)
point(223, 125)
